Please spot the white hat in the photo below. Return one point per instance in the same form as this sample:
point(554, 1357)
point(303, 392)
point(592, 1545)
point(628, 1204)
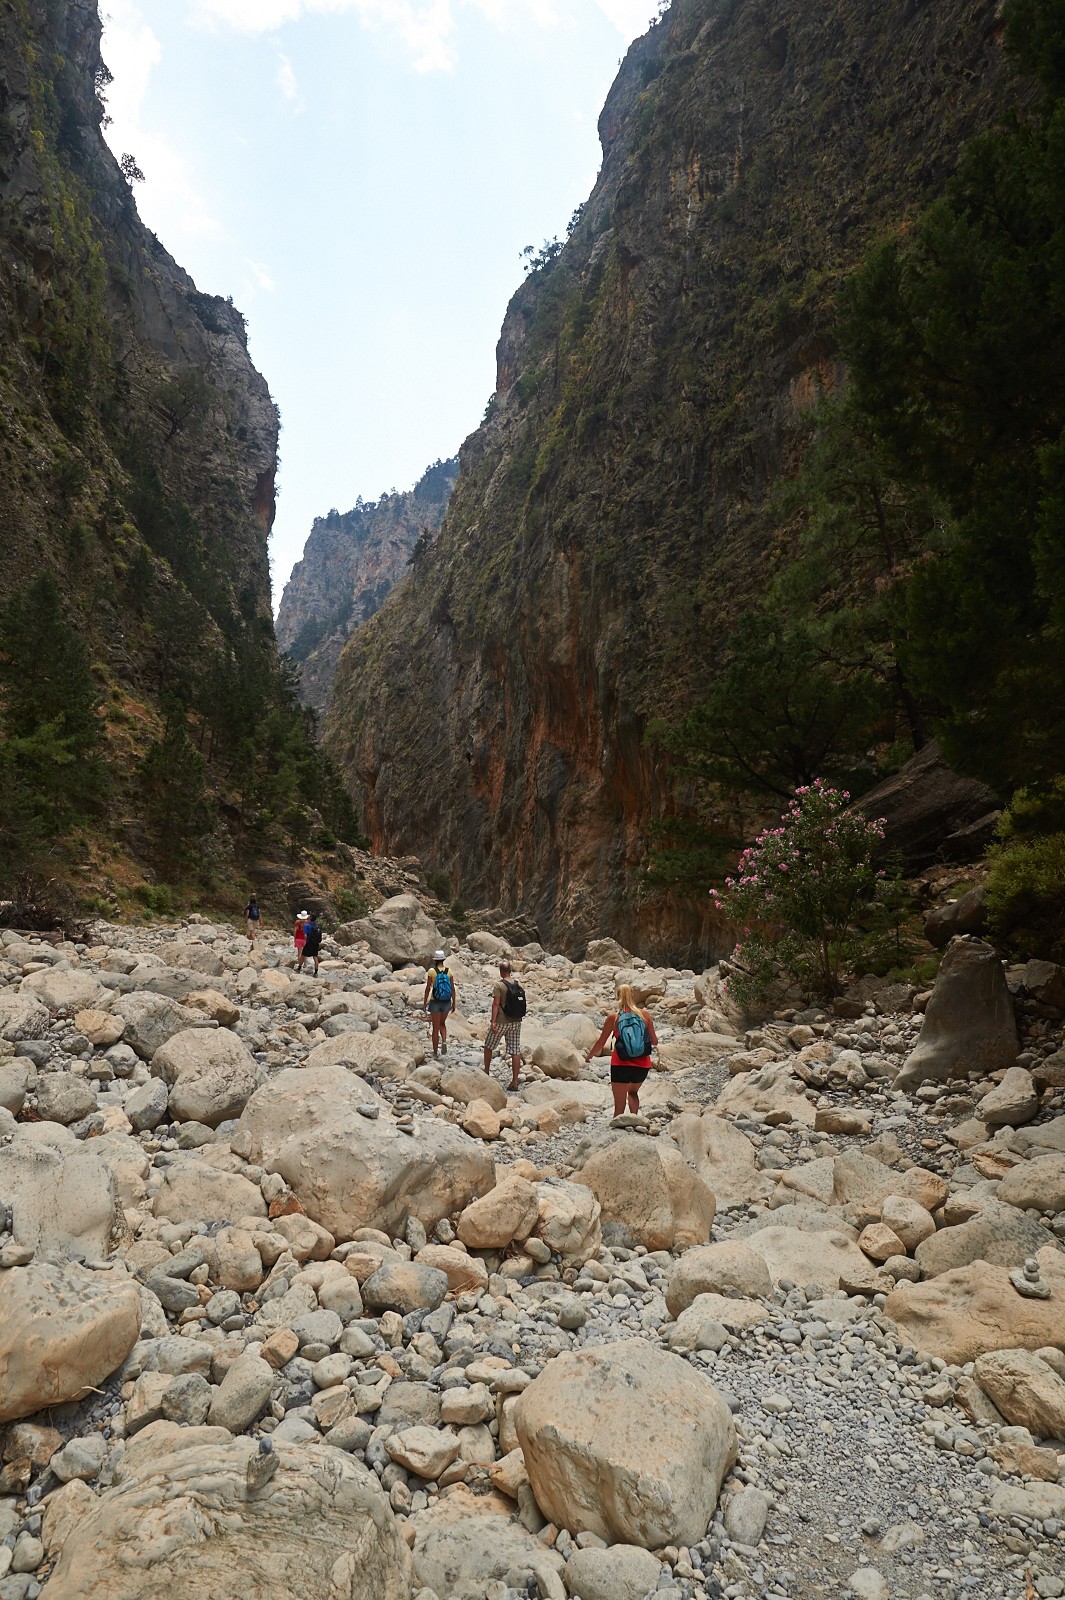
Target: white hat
point(303, 913)
point(438, 955)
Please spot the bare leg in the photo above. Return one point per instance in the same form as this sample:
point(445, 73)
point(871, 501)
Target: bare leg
point(434, 1022)
point(515, 1068)
point(618, 1091)
point(634, 1099)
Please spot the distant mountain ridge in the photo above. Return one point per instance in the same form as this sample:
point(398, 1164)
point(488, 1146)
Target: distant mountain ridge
point(351, 562)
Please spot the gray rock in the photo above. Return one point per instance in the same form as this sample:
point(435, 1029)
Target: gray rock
point(146, 1107)
point(243, 1393)
point(745, 1515)
point(80, 1458)
point(63, 1097)
point(968, 1023)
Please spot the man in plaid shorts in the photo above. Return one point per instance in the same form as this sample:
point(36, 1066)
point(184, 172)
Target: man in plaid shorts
point(508, 1008)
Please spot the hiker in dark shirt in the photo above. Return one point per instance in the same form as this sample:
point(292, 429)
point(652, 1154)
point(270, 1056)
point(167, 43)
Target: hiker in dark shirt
point(312, 945)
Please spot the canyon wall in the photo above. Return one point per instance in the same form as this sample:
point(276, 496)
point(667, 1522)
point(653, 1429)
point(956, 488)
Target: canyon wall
point(610, 519)
point(351, 562)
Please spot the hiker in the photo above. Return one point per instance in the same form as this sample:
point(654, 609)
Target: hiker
point(312, 944)
point(508, 1008)
point(299, 937)
point(440, 999)
point(630, 1061)
point(252, 918)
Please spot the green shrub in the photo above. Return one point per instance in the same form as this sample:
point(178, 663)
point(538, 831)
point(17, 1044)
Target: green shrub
point(1026, 896)
point(799, 895)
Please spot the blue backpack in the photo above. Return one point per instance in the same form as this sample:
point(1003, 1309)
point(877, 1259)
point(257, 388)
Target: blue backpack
point(631, 1033)
point(442, 987)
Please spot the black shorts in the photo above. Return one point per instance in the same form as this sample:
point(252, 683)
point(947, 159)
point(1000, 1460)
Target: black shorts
point(627, 1072)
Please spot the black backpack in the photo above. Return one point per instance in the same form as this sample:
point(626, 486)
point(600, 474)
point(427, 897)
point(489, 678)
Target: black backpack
point(514, 1003)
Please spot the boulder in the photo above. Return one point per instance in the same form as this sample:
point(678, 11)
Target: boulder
point(62, 1332)
point(399, 931)
point(729, 1268)
point(1036, 1184)
point(462, 1271)
point(925, 804)
point(968, 1024)
point(998, 1233)
point(480, 1121)
point(859, 1179)
point(568, 1219)
point(193, 957)
point(695, 1050)
point(365, 1052)
point(194, 1191)
point(624, 1572)
point(14, 1084)
point(558, 1057)
point(213, 1005)
point(649, 1188)
point(506, 1214)
point(607, 953)
point(147, 1106)
point(100, 1028)
point(405, 1286)
point(152, 1019)
point(185, 1522)
point(1013, 1101)
point(627, 1442)
point(64, 1097)
point(722, 1156)
point(967, 915)
point(351, 1172)
point(465, 1541)
point(243, 1393)
point(22, 1016)
point(210, 1073)
point(64, 989)
point(466, 1083)
point(61, 1195)
point(770, 1090)
point(1027, 1391)
point(908, 1220)
point(973, 1309)
point(828, 1257)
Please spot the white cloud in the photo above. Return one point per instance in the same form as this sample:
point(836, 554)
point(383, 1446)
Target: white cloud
point(630, 17)
point(261, 276)
point(425, 27)
point(286, 81)
point(168, 200)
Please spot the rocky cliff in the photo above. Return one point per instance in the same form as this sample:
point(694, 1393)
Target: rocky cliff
point(610, 518)
point(138, 441)
point(351, 562)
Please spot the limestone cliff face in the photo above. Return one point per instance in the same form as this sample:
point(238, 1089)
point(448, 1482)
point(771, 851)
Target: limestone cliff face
point(351, 562)
point(139, 443)
point(609, 519)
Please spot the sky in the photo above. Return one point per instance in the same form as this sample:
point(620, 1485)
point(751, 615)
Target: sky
point(361, 177)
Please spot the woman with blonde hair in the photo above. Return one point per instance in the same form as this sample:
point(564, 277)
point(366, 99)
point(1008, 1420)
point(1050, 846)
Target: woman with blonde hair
point(634, 1038)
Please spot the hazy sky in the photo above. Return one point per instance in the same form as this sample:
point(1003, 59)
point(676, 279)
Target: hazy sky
point(361, 176)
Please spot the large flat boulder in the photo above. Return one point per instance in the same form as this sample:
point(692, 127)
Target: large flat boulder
point(152, 1019)
point(64, 989)
point(22, 1016)
point(828, 1258)
point(998, 1233)
point(62, 1332)
point(728, 1268)
point(723, 1156)
point(62, 1196)
point(962, 1314)
point(924, 805)
point(350, 1171)
point(195, 1191)
point(399, 931)
point(210, 1073)
point(1037, 1184)
point(184, 1522)
point(968, 1023)
point(1027, 1391)
point(364, 1052)
point(628, 1442)
point(464, 1541)
point(647, 1186)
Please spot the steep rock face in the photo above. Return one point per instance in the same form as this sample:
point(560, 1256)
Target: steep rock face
point(610, 516)
point(351, 562)
point(140, 443)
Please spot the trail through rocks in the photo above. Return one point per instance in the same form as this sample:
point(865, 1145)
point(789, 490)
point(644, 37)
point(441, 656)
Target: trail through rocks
point(259, 1252)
